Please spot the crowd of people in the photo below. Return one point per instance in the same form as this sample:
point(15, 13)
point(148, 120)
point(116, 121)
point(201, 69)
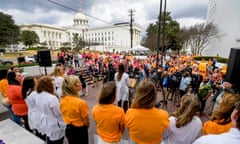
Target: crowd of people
point(51, 106)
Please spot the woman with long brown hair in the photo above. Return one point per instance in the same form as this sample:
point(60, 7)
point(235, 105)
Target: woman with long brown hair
point(146, 123)
point(185, 126)
point(122, 82)
point(108, 117)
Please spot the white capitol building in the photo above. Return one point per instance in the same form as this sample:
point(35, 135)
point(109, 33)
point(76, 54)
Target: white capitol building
point(107, 38)
point(226, 15)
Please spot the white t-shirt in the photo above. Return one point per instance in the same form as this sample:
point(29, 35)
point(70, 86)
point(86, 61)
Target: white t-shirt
point(183, 135)
point(231, 137)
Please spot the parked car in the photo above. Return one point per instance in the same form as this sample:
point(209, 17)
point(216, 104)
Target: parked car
point(6, 62)
point(30, 59)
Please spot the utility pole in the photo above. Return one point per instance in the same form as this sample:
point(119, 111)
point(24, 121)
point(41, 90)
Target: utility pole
point(131, 11)
point(164, 30)
point(159, 27)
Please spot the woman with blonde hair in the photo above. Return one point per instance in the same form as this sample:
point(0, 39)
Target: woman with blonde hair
point(74, 111)
point(185, 126)
point(221, 118)
point(108, 117)
point(146, 123)
point(58, 77)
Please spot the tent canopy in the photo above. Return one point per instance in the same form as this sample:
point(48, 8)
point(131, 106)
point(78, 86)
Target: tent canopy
point(140, 48)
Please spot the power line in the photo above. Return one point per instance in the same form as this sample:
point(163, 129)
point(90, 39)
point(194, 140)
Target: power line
point(61, 5)
point(88, 4)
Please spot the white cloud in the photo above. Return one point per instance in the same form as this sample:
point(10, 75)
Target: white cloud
point(187, 22)
point(40, 15)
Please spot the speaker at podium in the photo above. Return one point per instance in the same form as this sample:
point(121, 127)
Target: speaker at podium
point(233, 68)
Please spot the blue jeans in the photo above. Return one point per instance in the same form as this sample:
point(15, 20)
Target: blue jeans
point(15, 118)
point(130, 141)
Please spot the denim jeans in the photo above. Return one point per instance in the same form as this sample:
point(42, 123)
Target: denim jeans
point(15, 118)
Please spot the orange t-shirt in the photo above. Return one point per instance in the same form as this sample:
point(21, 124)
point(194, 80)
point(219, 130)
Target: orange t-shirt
point(19, 106)
point(146, 126)
point(4, 87)
point(211, 127)
point(73, 110)
point(108, 119)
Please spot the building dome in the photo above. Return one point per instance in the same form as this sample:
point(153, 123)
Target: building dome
point(80, 21)
point(80, 16)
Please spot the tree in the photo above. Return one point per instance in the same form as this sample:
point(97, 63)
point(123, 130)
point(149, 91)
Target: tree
point(77, 41)
point(199, 35)
point(29, 38)
point(171, 29)
point(9, 32)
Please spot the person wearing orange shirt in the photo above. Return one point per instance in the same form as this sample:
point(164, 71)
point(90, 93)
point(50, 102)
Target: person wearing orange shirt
point(19, 106)
point(4, 92)
point(221, 118)
point(74, 111)
point(4, 87)
point(108, 117)
point(146, 123)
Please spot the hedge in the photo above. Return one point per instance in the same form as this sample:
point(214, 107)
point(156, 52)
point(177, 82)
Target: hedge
point(219, 59)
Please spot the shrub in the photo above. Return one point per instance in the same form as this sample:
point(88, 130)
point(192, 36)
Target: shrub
point(65, 49)
point(219, 59)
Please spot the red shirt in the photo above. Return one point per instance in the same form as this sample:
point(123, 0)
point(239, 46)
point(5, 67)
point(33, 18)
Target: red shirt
point(19, 106)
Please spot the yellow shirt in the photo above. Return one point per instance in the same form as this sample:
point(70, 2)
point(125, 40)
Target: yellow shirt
point(211, 127)
point(146, 126)
point(73, 110)
point(203, 69)
point(108, 119)
point(4, 88)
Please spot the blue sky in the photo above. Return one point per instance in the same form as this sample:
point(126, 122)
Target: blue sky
point(186, 12)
